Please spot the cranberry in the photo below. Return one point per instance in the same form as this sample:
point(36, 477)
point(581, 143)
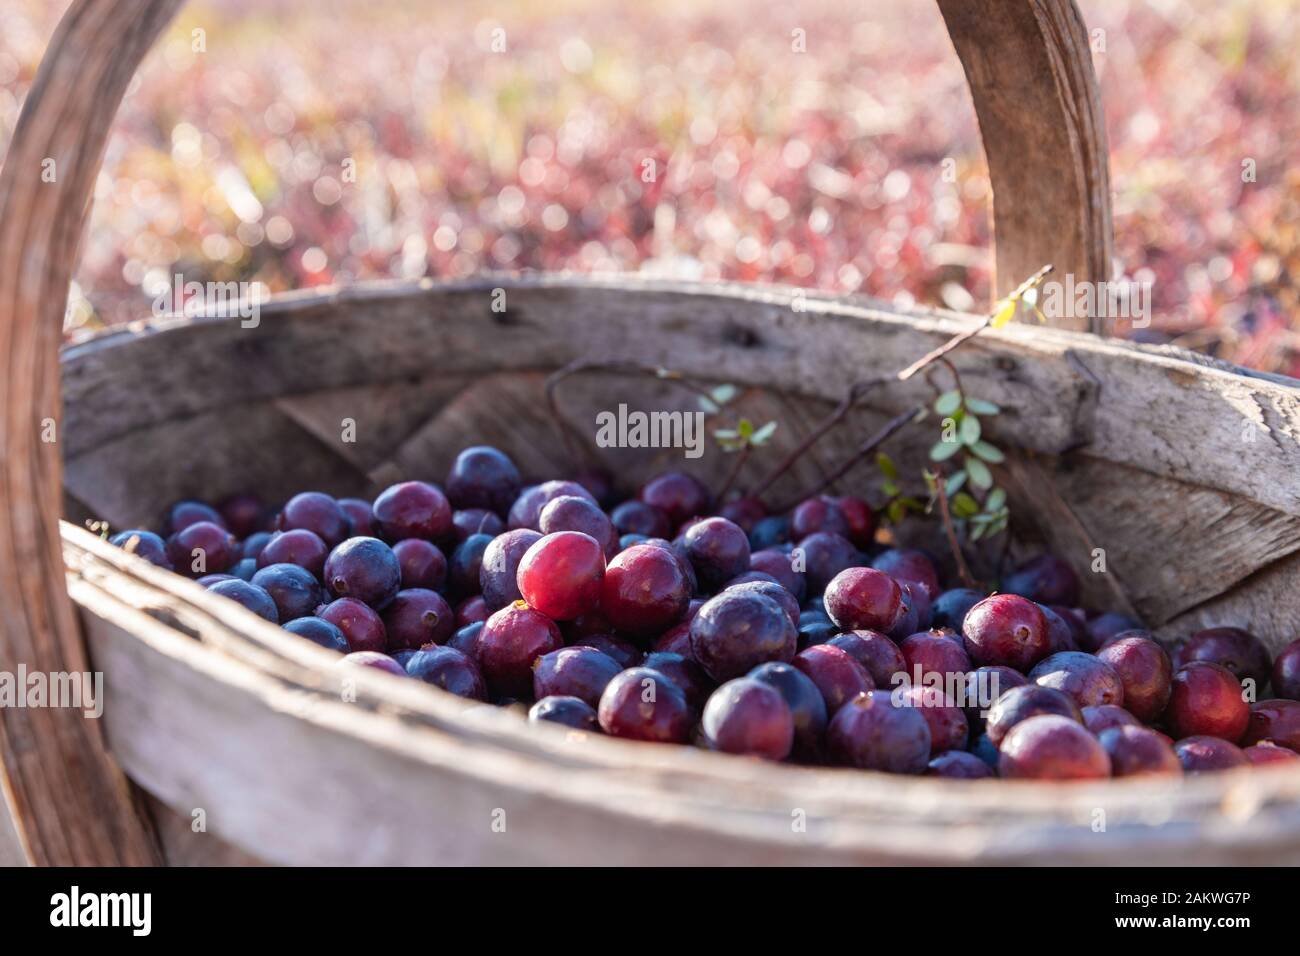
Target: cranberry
point(416, 617)
point(301, 547)
point(318, 513)
point(837, 675)
point(359, 623)
point(735, 632)
point(468, 521)
point(465, 569)
point(984, 686)
point(254, 544)
point(364, 568)
point(1060, 636)
point(1286, 672)
point(870, 733)
point(143, 544)
point(319, 631)
point(935, 652)
point(185, 513)
point(1085, 678)
point(749, 717)
point(210, 579)
point(949, 729)
point(1206, 700)
point(863, 599)
point(777, 563)
point(471, 611)
point(483, 477)
point(243, 514)
point(567, 711)
point(861, 519)
point(580, 672)
point(818, 514)
point(562, 573)
point(958, 765)
point(1021, 703)
point(1268, 752)
point(676, 494)
point(807, 706)
point(465, 639)
point(1136, 751)
point(637, 517)
point(773, 590)
point(1076, 621)
point(449, 669)
point(1048, 747)
point(986, 751)
point(685, 673)
point(1006, 629)
point(1103, 627)
point(499, 572)
point(1276, 720)
point(413, 509)
point(375, 659)
point(526, 512)
point(361, 520)
point(249, 596)
point(1239, 651)
point(1046, 579)
point(949, 608)
point(1201, 754)
point(1145, 671)
point(877, 653)
point(623, 651)
point(675, 640)
point(913, 567)
point(770, 532)
point(295, 591)
point(914, 611)
point(822, 556)
point(643, 704)
point(511, 640)
point(745, 512)
point(571, 513)
point(815, 628)
point(1100, 717)
point(202, 548)
point(718, 550)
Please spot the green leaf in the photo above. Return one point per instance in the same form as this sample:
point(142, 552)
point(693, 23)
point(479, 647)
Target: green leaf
point(955, 483)
point(745, 427)
point(981, 407)
point(978, 532)
point(948, 403)
point(980, 476)
point(943, 450)
point(707, 405)
point(889, 488)
point(895, 511)
point(964, 506)
point(995, 500)
point(969, 432)
point(990, 454)
point(761, 436)
point(723, 393)
point(886, 466)
point(912, 504)
point(725, 434)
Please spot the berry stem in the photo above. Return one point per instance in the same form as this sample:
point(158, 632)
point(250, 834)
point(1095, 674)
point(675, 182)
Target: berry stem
point(963, 570)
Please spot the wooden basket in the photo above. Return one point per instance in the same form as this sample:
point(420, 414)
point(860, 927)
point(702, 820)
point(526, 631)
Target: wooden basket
point(225, 739)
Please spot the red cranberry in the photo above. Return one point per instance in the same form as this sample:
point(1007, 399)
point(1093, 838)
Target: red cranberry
point(777, 563)
point(863, 599)
point(1201, 754)
point(807, 706)
point(870, 733)
point(1286, 672)
point(637, 517)
point(1049, 747)
point(571, 513)
point(510, 641)
point(318, 513)
point(861, 519)
point(736, 631)
point(821, 557)
point(1085, 678)
point(202, 548)
point(623, 651)
point(773, 590)
point(644, 591)
point(685, 673)
point(580, 672)
point(745, 512)
point(417, 617)
point(837, 675)
point(677, 495)
point(746, 716)
point(143, 544)
point(499, 572)
point(361, 520)
point(1239, 651)
point(359, 623)
point(449, 669)
point(949, 608)
point(566, 711)
point(1136, 751)
point(959, 765)
point(1046, 579)
point(643, 704)
point(1206, 700)
point(375, 659)
point(295, 590)
point(483, 477)
point(675, 640)
point(413, 509)
point(1276, 720)
point(1268, 752)
point(1021, 703)
point(301, 547)
point(1006, 629)
point(1145, 671)
point(1100, 717)
point(422, 564)
point(818, 514)
point(471, 611)
point(914, 567)
point(949, 729)
point(364, 568)
point(913, 613)
point(718, 550)
point(243, 514)
point(877, 653)
point(1100, 629)
point(935, 652)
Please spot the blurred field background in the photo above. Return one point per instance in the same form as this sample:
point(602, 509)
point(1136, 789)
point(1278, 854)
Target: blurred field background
point(821, 169)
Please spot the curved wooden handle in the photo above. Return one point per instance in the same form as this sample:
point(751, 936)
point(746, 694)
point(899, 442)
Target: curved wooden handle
point(1036, 96)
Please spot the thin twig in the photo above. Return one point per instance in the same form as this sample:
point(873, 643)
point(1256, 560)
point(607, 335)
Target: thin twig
point(741, 457)
point(941, 491)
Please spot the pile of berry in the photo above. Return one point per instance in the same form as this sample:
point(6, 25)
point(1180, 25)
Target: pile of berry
point(789, 637)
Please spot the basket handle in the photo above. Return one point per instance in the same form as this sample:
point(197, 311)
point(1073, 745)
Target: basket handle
point(1029, 69)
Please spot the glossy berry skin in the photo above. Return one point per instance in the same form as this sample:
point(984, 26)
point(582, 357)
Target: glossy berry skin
point(471, 611)
point(637, 517)
point(949, 608)
point(777, 563)
point(423, 564)
point(1267, 752)
point(202, 548)
point(745, 512)
point(143, 544)
point(861, 519)
point(449, 669)
point(562, 573)
point(566, 711)
point(1046, 579)
point(815, 628)
point(249, 596)
point(185, 513)
point(819, 513)
point(675, 640)
point(210, 579)
point(1103, 717)
point(483, 477)
point(318, 513)
point(1100, 629)
point(877, 653)
point(362, 627)
point(913, 613)
point(984, 686)
point(365, 569)
point(375, 659)
point(1276, 720)
point(244, 569)
point(1049, 747)
point(774, 591)
point(677, 494)
point(870, 733)
point(413, 509)
point(571, 513)
point(986, 751)
point(914, 567)
point(949, 729)
point(748, 717)
point(465, 569)
point(643, 704)
point(807, 706)
point(361, 520)
point(319, 631)
point(1008, 630)
point(499, 572)
point(526, 512)
point(254, 544)
point(718, 550)
point(301, 547)
point(294, 589)
point(934, 652)
point(1145, 671)
point(1286, 672)
point(769, 532)
point(685, 673)
point(622, 650)
point(511, 640)
point(644, 590)
point(1206, 700)
point(465, 639)
point(416, 617)
point(1202, 754)
point(468, 521)
point(959, 765)
point(581, 672)
point(837, 675)
point(1021, 703)
point(863, 599)
point(1238, 650)
point(1085, 678)
point(736, 631)
point(824, 555)
point(1060, 636)
point(1136, 751)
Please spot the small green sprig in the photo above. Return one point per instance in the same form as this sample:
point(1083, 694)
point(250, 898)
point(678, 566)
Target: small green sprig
point(744, 435)
point(970, 488)
point(897, 505)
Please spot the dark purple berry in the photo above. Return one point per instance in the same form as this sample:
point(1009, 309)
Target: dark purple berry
point(1275, 719)
point(571, 513)
point(301, 547)
point(1100, 629)
point(871, 733)
point(819, 513)
point(1089, 680)
point(470, 521)
point(319, 631)
point(807, 706)
point(949, 729)
point(375, 659)
point(359, 623)
point(465, 569)
point(1206, 700)
point(526, 512)
point(643, 704)
point(567, 711)
point(1145, 671)
point(365, 569)
point(1049, 747)
point(143, 544)
point(511, 640)
point(959, 765)
point(185, 513)
point(416, 617)
point(423, 564)
point(449, 669)
point(777, 563)
point(294, 589)
point(483, 477)
point(254, 544)
point(1020, 703)
point(580, 672)
point(718, 550)
point(770, 532)
point(637, 517)
point(249, 596)
point(863, 599)
point(735, 632)
point(465, 639)
point(773, 590)
point(498, 574)
point(749, 717)
point(1136, 751)
point(822, 556)
point(202, 548)
point(1046, 579)
point(1286, 672)
point(1238, 650)
point(1102, 717)
point(361, 519)
point(1008, 630)
point(938, 653)
point(623, 651)
point(1201, 754)
point(413, 509)
point(910, 567)
point(677, 495)
point(877, 653)
point(837, 675)
point(318, 513)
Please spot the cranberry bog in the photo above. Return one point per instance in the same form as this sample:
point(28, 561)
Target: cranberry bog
point(1176, 472)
